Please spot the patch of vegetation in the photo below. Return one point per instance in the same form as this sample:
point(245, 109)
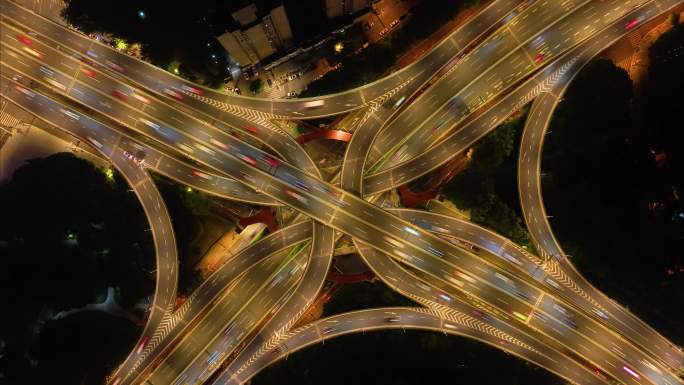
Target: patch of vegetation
point(68, 231)
point(180, 33)
point(615, 208)
point(488, 186)
point(80, 338)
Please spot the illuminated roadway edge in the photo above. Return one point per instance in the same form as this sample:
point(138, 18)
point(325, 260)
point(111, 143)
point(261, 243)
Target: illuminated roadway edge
point(530, 193)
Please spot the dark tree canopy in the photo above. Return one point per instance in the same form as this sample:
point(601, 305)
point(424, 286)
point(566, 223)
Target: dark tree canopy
point(612, 208)
point(66, 234)
point(170, 31)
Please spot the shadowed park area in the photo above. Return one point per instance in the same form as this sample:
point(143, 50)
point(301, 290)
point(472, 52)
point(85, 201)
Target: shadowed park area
point(69, 231)
point(613, 176)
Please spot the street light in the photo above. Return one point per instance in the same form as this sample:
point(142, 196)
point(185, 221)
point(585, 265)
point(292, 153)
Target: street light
point(141, 14)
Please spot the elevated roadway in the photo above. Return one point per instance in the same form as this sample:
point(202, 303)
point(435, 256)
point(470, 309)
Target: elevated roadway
point(329, 205)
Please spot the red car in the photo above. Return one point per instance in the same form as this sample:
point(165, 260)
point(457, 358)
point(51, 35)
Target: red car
point(25, 40)
point(114, 66)
point(248, 159)
point(142, 345)
point(632, 23)
point(251, 128)
point(89, 73)
point(538, 58)
point(194, 90)
point(270, 161)
point(173, 93)
point(120, 95)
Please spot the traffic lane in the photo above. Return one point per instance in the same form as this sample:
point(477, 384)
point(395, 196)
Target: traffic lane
point(130, 117)
point(243, 308)
point(528, 24)
point(599, 346)
point(458, 266)
point(134, 67)
point(583, 330)
point(322, 247)
point(433, 99)
point(469, 33)
point(533, 210)
point(216, 284)
point(483, 243)
point(375, 319)
point(157, 111)
point(473, 65)
point(531, 54)
point(397, 278)
point(181, 172)
point(492, 82)
point(283, 144)
point(579, 26)
point(358, 149)
point(213, 184)
point(456, 142)
point(175, 361)
point(256, 312)
point(226, 307)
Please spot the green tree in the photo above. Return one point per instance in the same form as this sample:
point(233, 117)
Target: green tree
point(256, 86)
